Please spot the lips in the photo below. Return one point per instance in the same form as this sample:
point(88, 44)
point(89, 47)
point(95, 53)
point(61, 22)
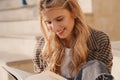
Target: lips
point(60, 32)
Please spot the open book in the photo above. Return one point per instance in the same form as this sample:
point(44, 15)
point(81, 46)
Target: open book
point(23, 75)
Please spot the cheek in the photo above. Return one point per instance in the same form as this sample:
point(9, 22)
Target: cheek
point(71, 23)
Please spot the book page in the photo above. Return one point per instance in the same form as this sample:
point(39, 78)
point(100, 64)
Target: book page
point(17, 73)
point(46, 75)
point(23, 75)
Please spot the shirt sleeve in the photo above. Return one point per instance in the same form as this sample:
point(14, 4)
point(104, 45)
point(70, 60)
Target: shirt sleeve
point(104, 51)
point(39, 64)
point(101, 48)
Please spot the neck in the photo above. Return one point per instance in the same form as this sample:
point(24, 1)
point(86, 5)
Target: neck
point(69, 42)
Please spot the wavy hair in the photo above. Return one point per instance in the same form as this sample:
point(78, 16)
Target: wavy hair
point(54, 50)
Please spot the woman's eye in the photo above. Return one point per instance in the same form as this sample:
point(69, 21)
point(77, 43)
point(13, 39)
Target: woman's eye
point(60, 19)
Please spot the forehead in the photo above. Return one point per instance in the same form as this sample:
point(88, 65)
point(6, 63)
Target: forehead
point(52, 13)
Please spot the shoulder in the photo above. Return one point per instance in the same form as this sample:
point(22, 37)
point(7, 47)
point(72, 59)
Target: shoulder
point(98, 34)
point(97, 38)
point(100, 47)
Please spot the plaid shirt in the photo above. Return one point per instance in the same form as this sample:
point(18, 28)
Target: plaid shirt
point(98, 44)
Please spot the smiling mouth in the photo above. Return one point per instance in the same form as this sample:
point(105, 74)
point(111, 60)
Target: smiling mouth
point(61, 31)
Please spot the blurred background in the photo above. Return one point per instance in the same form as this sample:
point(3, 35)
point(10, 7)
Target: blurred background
point(103, 15)
point(19, 30)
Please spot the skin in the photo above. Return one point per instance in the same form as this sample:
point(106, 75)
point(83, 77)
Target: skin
point(61, 22)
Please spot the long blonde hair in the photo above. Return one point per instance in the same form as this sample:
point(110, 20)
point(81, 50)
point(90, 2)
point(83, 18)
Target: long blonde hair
point(54, 50)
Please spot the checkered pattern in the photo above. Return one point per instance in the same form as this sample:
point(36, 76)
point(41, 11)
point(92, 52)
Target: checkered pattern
point(39, 64)
point(98, 44)
point(100, 48)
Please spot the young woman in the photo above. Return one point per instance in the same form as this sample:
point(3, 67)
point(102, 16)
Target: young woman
point(68, 43)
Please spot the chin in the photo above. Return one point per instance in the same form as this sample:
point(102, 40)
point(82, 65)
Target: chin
point(62, 37)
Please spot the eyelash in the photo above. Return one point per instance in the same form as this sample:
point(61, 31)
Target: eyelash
point(60, 19)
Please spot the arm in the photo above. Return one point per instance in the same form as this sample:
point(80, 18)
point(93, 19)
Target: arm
point(104, 51)
point(100, 48)
point(39, 64)
point(105, 55)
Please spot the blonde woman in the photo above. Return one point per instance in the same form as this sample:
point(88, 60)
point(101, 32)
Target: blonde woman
point(68, 43)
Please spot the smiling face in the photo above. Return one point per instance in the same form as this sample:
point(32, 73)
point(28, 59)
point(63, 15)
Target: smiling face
point(60, 21)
